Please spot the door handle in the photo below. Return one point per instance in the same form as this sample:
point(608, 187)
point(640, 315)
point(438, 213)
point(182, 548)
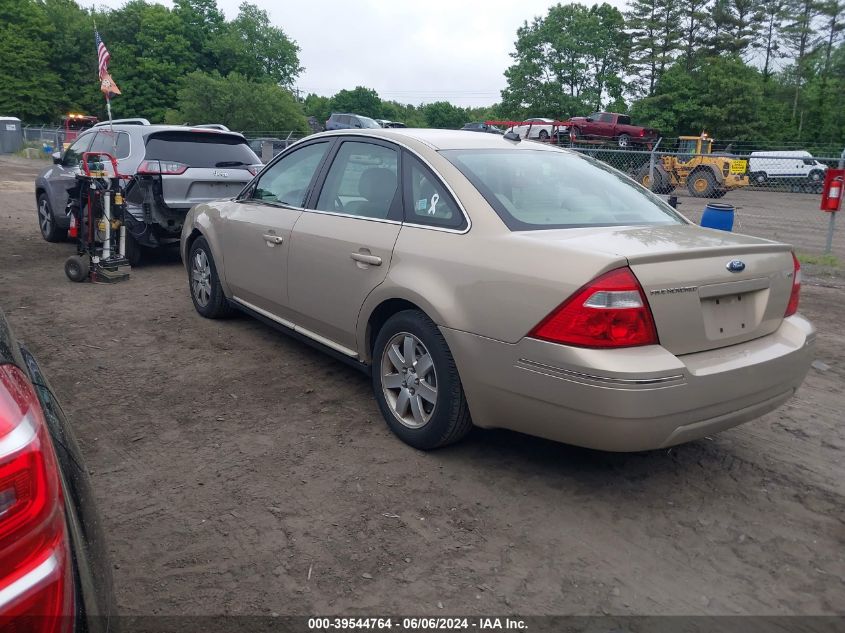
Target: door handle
point(373, 260)
point(272, 239)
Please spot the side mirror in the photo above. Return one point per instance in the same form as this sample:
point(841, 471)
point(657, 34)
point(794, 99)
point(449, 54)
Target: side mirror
point(589, 120)
point(357, 125)
point(57, 158)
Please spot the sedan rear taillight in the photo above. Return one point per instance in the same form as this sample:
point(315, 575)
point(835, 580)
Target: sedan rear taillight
point(35, 564)
point(162, 167)
point(610, 311)
point(795, 295)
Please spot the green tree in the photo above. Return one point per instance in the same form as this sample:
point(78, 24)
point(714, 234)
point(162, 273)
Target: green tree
point(238, 102)
point(202, 22)
point(256, 49)
point(773, 16)
point(736, 25)
point(442, 114)
point(363, 101)
point(566, 62)
point(29, 88)
point(655, 30)
point(317, 106)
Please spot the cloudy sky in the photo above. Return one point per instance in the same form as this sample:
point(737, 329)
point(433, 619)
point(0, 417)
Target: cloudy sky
point(411, 51)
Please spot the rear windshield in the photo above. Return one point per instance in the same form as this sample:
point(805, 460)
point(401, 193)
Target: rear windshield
point(539, 189)
point(201, 149)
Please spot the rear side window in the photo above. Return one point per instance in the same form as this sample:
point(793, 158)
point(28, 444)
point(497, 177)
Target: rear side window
point(624, 120)
point(427, 201)
point(114, 143)
point(201, 149)
point(362, 181)
point(537, 189)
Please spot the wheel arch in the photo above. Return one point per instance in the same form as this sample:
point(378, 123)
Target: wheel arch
point(375, 313)
point(201, 225)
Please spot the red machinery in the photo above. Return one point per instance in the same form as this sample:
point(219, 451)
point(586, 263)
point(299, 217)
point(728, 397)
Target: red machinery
point(75, 124)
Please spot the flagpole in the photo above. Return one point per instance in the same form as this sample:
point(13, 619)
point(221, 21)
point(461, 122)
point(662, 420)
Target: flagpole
point(111, 128)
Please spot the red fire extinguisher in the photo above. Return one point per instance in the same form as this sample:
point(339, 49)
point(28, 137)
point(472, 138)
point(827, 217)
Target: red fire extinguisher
point(73, 229)
point(834, 182)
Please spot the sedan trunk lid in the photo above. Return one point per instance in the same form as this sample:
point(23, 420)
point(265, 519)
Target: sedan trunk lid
point(706, 288)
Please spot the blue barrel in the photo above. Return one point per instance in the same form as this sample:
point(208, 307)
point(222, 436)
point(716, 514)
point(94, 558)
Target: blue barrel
point(718, 215)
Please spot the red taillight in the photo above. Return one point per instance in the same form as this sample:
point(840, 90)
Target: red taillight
point(795, 296)
point(254, 169)
point(35, 567)
point(163, 167)
point(610, 311)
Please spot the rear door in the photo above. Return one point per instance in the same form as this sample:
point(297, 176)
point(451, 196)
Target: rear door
point(256, 229)
point(342, 245)
point(198, 165)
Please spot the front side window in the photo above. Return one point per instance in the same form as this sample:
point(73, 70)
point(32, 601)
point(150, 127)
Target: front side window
point(362, 181)
point(74, 153)
point(536, 189)
point(605, 118)
point(288, 180)
point(366, 122)
point(427, 201)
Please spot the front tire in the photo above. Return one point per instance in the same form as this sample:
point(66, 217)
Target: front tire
point(47, 221)
point(416, 383)
point(701, 184)
point(544, 136)
point(77, 267)
point(204, 282)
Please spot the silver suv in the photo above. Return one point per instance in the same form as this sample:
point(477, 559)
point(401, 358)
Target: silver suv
point(174, 168)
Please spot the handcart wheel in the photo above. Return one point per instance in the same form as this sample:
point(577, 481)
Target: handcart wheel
point(77, 267)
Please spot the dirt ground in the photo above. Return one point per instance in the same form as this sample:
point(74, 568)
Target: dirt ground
point(239, 471)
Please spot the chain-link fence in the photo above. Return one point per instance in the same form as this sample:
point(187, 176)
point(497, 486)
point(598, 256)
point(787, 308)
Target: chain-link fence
point(49, 137)
point(774, 194)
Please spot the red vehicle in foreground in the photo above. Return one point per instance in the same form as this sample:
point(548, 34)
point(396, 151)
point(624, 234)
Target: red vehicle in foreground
point(611, 126)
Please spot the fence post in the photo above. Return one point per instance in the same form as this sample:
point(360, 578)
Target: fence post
point(651, 161)
point(832, 221)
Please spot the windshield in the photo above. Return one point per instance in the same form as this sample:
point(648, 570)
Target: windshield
point(368, 122)
point(537, 189)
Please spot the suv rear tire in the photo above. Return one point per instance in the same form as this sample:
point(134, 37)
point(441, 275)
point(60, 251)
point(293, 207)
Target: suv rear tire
point(47, 221)
point(204, 283)
point(416, 382)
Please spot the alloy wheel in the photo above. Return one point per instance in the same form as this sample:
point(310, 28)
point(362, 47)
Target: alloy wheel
point(201, 278)
point(409, 380)
point(45, 219)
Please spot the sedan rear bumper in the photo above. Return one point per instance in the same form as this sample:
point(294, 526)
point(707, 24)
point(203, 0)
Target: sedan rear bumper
point(632, 399)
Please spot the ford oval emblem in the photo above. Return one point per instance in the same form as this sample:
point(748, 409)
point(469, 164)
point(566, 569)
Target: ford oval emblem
point(736, 266)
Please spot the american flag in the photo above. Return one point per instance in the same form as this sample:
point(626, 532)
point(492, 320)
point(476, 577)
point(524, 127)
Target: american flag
point(102, 55)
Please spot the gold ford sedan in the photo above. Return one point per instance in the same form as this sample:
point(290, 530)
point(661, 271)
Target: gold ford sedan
point(494, 282)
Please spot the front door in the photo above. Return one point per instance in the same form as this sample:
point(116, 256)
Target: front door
point(341, 249)
point(256, 235)
point(63, 176)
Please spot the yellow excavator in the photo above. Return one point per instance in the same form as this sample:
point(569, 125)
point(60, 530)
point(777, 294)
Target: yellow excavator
point(704, 174)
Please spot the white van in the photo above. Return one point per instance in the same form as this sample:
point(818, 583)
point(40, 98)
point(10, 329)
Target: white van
point(796, 166)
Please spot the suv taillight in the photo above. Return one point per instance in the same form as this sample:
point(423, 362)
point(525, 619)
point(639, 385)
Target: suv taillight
point(610, 311)
point(35, 564)
point(795, 295)
point(162, 167)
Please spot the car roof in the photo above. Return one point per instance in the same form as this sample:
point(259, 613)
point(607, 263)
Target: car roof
point(147, 130)
point(441, 139)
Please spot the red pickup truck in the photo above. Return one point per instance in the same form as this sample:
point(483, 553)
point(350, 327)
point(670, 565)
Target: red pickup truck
point(611, 126)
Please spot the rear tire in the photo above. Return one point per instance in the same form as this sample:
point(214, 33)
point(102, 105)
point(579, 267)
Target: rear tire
point(623, 141)
point(77, 267)
point(47, 221)
point(416, 382)
point(133, 250)
point(204, 283)
point(759, 178)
